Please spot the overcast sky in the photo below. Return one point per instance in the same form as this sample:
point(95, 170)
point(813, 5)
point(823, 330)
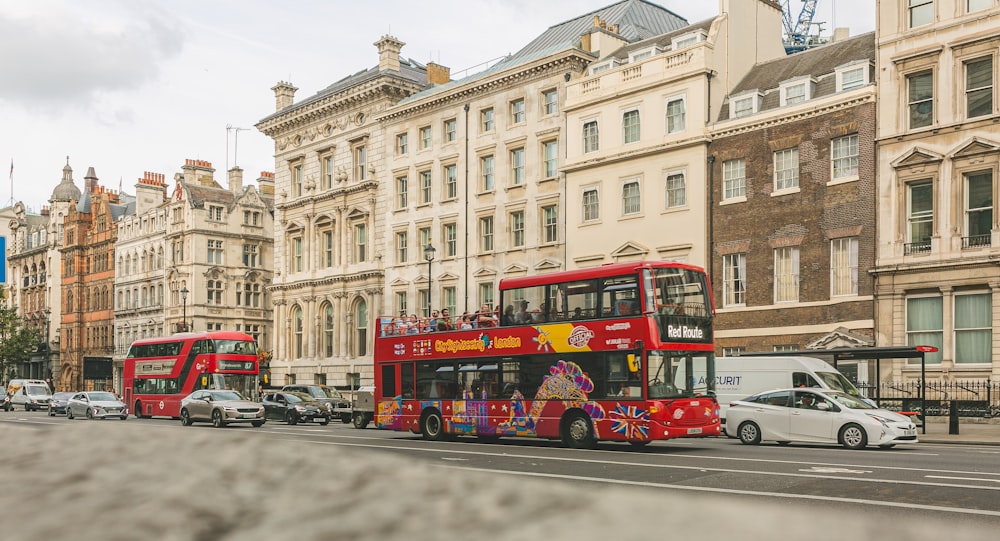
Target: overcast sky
point(130, 86)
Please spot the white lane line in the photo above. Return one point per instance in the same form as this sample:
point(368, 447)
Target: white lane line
point(963, 478)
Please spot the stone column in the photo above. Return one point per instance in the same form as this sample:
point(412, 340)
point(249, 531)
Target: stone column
point(948, 329)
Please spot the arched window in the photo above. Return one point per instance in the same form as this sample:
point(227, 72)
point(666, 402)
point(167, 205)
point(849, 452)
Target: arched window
point(328, 330)
point(297, 327)
point(361, 324)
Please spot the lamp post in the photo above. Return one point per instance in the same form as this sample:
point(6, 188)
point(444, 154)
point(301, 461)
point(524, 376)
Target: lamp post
point(184, 313)
point(48, 344)
point(429, 256)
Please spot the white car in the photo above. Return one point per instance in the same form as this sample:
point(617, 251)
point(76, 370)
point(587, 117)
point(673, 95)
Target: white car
point(810, 415)
point(96, 405)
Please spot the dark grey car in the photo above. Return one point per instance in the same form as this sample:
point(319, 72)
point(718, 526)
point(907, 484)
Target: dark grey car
point(293, 408)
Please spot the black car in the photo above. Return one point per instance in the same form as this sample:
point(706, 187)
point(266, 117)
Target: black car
point(58, 403)
point(293, 407)
point(337, 405)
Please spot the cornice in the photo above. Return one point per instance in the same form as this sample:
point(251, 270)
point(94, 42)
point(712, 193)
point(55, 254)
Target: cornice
point(364, 186)
point(635, 154)
point(342, 279)
point(790, 117)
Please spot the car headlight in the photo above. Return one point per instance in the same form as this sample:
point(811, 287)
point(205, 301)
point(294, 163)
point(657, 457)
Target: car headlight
point(300, 409)
point(329, 406)
point(885, 422)
point(230, 409)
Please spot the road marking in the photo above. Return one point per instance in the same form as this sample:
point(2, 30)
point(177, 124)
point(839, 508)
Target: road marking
point(454, 458)
point(963, 478)
point(834, 470)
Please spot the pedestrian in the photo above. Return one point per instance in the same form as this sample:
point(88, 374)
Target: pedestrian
point(485, 318)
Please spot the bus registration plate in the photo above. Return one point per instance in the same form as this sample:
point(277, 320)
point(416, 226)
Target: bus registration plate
point(694, 430)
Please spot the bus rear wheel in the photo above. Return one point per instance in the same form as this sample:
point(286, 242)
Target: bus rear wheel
point(360, 421)
point(138, 410)
point(578, 431)
point(432, 426)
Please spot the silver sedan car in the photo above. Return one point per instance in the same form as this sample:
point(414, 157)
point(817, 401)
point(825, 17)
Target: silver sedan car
point(220, 407)
point(96, 405)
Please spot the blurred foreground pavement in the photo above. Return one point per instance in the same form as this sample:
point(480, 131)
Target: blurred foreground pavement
point(105, 481)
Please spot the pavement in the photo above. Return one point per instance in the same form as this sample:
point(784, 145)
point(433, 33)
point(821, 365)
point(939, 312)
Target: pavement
point(970, 431)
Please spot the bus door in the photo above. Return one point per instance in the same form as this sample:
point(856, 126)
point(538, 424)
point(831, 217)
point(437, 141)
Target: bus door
point(397, 379)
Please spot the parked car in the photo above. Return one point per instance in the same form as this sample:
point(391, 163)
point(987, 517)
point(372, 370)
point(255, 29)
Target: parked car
point(335, 402)
point(817, 416)
point(57, 404)
point(220, 407)
point(96, 405)
point(294, 407)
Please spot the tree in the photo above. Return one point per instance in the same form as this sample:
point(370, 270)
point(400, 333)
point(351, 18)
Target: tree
point(17, 342)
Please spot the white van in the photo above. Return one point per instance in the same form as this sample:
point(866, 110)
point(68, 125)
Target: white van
point(32, 394)
point(739, 377)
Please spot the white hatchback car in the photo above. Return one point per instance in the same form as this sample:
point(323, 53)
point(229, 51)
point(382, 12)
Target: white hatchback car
point(817, 416)
point(96, 405)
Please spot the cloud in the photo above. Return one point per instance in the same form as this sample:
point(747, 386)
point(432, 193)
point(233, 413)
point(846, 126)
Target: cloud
point(55, 57)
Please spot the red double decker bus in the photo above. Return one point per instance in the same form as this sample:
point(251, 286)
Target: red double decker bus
point(621, 352)
point(159, 372)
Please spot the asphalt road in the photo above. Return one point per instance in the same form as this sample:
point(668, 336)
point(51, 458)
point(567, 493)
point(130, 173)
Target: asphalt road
point(947, 482)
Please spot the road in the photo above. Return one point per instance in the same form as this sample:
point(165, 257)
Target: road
point(950, 482)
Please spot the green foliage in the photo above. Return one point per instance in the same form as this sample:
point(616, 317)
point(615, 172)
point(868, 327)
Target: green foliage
point(17, 342)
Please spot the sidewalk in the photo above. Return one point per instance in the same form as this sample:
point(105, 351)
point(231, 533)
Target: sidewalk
point(970, 431)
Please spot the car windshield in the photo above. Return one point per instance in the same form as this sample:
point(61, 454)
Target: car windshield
point(36, 390)
point(850, 402)
point(103, 397)
point(837, 382)
point(297, 397)
point(62, 396)
point(226, 395)
point(327, 392)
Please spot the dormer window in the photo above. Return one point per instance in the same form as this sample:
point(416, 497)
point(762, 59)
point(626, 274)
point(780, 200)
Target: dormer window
point(604, 66)
point(796, 90)
point(689, 39)
point(744, 104)
point(643, 54)
point(852, 75)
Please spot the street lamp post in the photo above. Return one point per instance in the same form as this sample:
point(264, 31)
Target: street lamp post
point(48, 344)
point(429, 256)
point(184, 312)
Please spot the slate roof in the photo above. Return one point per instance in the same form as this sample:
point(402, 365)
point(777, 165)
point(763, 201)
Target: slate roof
point(820, 63)
point(199, 194)
point(662, 41)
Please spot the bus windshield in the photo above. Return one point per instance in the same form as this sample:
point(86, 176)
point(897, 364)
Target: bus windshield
point(679, 291)
point(241, 347)
point(672, 374)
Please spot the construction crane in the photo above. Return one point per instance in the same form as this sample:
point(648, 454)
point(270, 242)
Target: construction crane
point(797, 36)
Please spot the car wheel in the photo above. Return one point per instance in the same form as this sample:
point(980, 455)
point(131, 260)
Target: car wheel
point(291, 418)
point(90, 414)
point(749, 433)
point(217, 421)
point(69, 413)
point(324, 421)
point(432, 426)
point(578, 431)
point(124, 417)
point(853, 436)
point(186, 418)
point(257, 424)
point(345, 418)
point(360, 421)
point(51, 413)
point(27, 407)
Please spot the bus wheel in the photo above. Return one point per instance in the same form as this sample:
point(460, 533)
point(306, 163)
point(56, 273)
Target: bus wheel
point(432, 426)
point(185, 418)
point(360, 421)
point(217, 421)
point(578, 431)
point(138, 410)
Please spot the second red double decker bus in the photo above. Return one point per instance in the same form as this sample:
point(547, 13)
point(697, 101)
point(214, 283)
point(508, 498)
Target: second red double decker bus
point(621, 352)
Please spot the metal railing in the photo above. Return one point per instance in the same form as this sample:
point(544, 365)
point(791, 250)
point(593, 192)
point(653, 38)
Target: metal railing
point(976, 398)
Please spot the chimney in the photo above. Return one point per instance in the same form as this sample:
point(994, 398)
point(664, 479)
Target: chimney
point(90, 181)
point(438, 74)
point(199, 171)
point(236, 180)
point(840, 34)
point(266, 183)
point(284, 94)
point(388, 53)
point(150, 191)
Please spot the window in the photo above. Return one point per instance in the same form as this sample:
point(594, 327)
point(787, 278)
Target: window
point(744, 106)
point(734, 287)
point(631, 203)
point(591, 205)
point(733, 179)
point(486, 234)
point(215, 213)
point(550, 227)
point(590, 136)
point(326, 248)
point(450, 240)
point(401, 304)
point(642, 54)
point(603, 66)
point(328, 335)
point(449, 130)
point(852, 77)
point(844, 266)
point(298, 329)
point(486, 294)
point(251, 295)
point(425, 137)
point(425, 187)
point(297, 181)
point(979, 87)
point(973, 328)
point(327, 172)
point(921, 12)
point(687, 40)
point(401, 192)
point(250, 256)
point(676, 190)
point(921, 216)
point(486, 120)
point(786, 274)
point(844, 155)
point(401, 255)
point(517, 111)
point(486, 173)
point(402, 143)
point(423, 303)
point(517, 228)
point(976, 5)
point(215, 252)
point(517, 166)
point(424, 233)
point(361, 319)
point(735, 351)
point(550, 151)
point(786, 169)
point(450, 181)
point(449, 295)
point(214, 291)
point(675, 115)
point(360, 167)
point(550, 101)
point(297, 254)
point(920, 99)
point(978, 209)
point(925, 325)
point(630, 126)
point(360, 243)
point(795, 93)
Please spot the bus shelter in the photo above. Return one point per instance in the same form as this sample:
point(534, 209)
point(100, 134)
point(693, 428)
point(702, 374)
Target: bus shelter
point(836, 355)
